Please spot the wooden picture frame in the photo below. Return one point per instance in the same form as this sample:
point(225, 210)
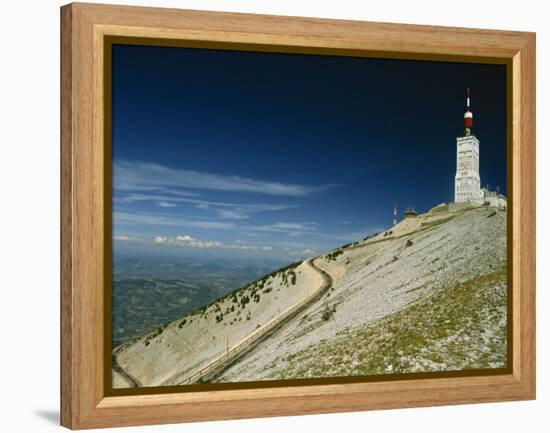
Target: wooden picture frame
point(84, 169)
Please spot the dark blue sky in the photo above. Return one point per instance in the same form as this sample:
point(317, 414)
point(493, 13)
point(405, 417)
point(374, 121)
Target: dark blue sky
point(277, 154)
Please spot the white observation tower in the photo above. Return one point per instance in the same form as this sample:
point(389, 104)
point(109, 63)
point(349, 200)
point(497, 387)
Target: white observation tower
point(467, 181)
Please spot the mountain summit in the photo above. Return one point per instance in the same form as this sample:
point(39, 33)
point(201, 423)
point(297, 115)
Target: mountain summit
point(429, 294)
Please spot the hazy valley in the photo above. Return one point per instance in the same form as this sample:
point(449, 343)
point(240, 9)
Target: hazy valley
point(149, 292)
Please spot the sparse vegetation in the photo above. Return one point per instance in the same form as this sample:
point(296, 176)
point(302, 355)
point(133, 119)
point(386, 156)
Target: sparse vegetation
point(334, 255)
point(441, 308)
point(351, 244)
point(154, 335)
point(244, 300)
point(366, 238)
point(145, 297)
point(288, 274)
point(427, 336)
point(327, 313)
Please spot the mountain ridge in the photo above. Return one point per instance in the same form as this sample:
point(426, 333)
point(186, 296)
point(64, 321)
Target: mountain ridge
point(381, 281)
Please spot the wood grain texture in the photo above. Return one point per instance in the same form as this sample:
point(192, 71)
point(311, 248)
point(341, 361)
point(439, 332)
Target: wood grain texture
point(67, 388)
point(84, 26)
point(525, 105)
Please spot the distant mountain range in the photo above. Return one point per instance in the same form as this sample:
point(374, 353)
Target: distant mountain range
point(149, 292)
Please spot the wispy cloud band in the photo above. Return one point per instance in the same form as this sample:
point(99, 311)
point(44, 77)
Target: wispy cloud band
point(152, 219)
point(191, 242)
point(224, 210)
point(146, 176)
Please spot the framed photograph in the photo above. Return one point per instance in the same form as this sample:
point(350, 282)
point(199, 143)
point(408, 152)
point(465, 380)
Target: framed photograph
point(268, 216)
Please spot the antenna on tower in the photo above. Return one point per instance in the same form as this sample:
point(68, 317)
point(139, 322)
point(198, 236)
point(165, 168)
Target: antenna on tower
point(394, 213)
point(468, 116)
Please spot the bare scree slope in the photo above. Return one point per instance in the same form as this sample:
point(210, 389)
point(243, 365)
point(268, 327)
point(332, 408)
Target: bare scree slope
point(427, 295)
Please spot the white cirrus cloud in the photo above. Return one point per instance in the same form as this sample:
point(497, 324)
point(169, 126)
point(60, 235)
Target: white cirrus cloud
point(204, 244)
point(166, 204)
point(231, 214)
point(126, 238)
point(191, 242)
point(153, 219)
point(201, 203)
point(289, 228)
point(148, 176)
point(223, 210)
point(308, 252)
point(295, 226)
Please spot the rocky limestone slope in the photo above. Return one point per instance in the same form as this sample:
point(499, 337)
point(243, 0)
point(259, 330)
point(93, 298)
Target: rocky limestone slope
point(427, 295)
point(172, 353)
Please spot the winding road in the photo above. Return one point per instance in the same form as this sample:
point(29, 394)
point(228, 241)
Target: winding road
point(130, 380)
point(221, 362)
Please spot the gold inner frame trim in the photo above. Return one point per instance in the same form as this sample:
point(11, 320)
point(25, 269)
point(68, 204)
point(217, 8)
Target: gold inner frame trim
point(105, 36)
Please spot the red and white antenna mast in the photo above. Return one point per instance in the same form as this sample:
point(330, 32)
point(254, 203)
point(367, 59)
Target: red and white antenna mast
point(468, 116)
